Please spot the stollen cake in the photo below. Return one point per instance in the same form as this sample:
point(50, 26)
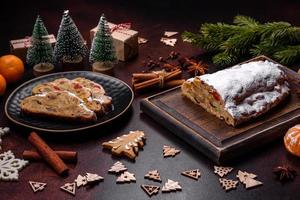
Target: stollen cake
point(239, 93)
point(97, 92)
point(57, 104)
point(92, 94)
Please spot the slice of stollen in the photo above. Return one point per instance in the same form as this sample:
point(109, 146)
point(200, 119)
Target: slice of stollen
point(57, 105)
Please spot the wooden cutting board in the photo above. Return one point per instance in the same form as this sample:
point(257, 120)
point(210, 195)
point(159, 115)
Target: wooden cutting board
point(212, 136)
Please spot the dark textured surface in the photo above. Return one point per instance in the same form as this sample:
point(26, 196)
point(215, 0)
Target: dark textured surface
point(120, 92)
point(150, 18)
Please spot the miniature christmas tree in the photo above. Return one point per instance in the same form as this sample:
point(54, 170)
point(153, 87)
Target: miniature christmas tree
point(40, 50)
point(102, 46)
point(70, 44)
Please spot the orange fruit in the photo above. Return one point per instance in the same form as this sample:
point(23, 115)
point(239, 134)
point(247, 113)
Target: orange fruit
point(12, 68)
point(292, 140)
point(2, 85)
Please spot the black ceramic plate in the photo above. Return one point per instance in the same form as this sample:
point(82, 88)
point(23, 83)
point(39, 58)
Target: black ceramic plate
point(121, 93)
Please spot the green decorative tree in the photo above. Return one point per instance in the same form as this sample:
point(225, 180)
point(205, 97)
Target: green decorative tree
point(40, 50)
point(70, 44)
point(102, 49)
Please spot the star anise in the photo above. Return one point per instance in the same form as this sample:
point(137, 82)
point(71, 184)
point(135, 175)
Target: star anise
point(285, 173)
point(197, 68)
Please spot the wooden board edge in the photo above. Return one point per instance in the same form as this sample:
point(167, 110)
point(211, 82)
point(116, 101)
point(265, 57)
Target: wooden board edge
point(161, 93)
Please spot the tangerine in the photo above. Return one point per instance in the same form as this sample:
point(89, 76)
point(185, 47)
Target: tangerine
point(292, 140)
point(2, 85)
point(11, 68)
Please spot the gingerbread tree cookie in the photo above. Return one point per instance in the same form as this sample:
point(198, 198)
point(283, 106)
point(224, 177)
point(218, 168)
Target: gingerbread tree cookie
point(193, 173)
point(153, 175)
point(126, 177)
point(228, 184)
point(171, 186)
point(150, 189)
point(80, 181)
point(127, 145)
point(170, 151)
point(92, 178)
point(69, 188)
point(248, 179)
point(37, 186)
point(222, 171)
point(117, 168)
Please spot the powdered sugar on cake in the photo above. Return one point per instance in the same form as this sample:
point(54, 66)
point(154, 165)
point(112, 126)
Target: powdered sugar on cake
point(249, 88)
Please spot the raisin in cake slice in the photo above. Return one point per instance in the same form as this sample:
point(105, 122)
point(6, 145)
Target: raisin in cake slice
point(239, 93)
point(58, 105)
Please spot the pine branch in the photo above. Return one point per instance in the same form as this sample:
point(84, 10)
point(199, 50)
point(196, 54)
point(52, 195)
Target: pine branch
point(219, 30)
point(230, 43)
point(270, 30)
point(224, 59)
point(193, 37)
point(263, 48)
point(240, 43)
point(285, 35)
point(212, 35)
point(242, 20)
point(288, 55)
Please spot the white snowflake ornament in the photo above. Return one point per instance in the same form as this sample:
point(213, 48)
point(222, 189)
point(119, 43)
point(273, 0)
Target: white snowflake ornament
point(10, 166)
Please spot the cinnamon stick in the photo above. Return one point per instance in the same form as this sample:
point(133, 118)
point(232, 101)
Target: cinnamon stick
point(144, 76)
point(48, 154)
point(152, 82)
point(67, 156)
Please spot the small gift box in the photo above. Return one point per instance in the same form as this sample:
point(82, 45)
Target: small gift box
point(125, 40)
point(19, 47)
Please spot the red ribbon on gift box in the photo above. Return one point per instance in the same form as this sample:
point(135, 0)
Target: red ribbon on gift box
point(27, 42)
point(120, 27)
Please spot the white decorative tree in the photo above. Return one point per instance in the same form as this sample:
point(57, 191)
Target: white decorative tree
point(70, 44)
